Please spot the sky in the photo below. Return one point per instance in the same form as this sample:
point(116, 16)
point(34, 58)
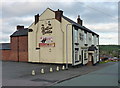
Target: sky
point(99, 16)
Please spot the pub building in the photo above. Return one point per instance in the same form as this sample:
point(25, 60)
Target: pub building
point(54, 38)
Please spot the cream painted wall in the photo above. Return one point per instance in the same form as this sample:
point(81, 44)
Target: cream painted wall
point(47, 14)
point(33, 55)
point(55, 54)
point(52, 54)
point(63, 25)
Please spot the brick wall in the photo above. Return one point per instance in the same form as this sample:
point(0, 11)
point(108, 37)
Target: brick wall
point(5, 54)
point(14, 49)
point(23, 48)
point(19, 48)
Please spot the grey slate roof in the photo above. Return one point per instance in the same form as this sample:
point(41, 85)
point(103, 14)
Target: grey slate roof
point(5, 46)
point(21, 32)
point(78, 25)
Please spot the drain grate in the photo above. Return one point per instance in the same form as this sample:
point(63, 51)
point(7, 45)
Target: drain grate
point(38, 80)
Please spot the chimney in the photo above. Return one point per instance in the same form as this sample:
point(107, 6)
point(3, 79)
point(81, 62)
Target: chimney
point(58, 15)
point(36, 18)
point(79, 21)
point(20, 27)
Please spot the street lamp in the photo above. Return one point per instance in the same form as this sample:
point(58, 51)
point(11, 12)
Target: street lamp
point(67, 45)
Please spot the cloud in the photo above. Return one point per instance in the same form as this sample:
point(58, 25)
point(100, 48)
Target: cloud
point(108, 38)
point(4, 38)
point(100, 17)
point(21, 9)
point(104, 28)
point(100, 12)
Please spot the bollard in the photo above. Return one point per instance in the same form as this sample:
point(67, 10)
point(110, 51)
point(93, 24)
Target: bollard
point(42, 71)
point(33, 72)
point(57, 68)
point(63, 67)
point(51, 70)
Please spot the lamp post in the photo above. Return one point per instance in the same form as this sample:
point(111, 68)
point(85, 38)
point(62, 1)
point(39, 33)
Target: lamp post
point(67, 45)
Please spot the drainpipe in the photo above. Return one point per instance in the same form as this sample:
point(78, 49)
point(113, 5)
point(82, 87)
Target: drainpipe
point(67, 45)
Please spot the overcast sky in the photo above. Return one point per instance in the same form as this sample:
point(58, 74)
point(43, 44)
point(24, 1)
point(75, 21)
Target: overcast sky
point(100, 17)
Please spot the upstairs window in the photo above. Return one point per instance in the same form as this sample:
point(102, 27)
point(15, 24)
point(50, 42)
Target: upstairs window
point(92, 39)
point(81, 36)
point(85, 38)
point(76, 36)
point(97, 40)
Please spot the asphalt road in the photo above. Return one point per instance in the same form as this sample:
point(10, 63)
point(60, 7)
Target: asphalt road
point(107, 76)
point(19, 73)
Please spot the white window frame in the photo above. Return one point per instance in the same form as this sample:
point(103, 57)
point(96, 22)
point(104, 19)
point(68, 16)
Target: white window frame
point(75, 36)
point(85, 37)
point(92, 39)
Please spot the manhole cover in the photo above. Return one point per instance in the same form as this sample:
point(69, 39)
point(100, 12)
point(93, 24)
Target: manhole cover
point(38, 80)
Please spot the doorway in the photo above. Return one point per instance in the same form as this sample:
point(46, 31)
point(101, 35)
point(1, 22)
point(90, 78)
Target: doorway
point(90, 59)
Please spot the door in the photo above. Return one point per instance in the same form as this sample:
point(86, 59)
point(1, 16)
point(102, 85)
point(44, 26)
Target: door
point(90, 59)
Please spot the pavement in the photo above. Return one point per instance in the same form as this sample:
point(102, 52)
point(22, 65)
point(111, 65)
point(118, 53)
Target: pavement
point(107, 76)
point(19, 73)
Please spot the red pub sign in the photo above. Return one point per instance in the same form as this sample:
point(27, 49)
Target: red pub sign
point(46, 42)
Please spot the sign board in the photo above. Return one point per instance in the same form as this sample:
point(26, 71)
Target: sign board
point(46, 42)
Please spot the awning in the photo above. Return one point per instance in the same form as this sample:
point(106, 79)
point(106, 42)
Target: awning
point(92, 48)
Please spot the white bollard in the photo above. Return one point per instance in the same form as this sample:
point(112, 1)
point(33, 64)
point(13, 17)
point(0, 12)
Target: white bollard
point(57, 68)
point(33, 72)
point(42, 71)
point(63, 67)
point(51, 70)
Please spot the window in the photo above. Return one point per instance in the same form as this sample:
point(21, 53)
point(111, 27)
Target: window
point(92, 39)
point(76, 36)
point(85, 54)
point(97, 40)
point(85, 38)
point(89, 39)
point(81, 36)
point(76, 54)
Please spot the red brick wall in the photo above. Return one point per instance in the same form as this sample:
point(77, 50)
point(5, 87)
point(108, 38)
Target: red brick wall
point(14, 49)
point(19, 48)
point(5, 54)
point(23, 48)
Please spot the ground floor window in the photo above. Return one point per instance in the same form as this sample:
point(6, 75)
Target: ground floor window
point(85, 54)
point(76, 54)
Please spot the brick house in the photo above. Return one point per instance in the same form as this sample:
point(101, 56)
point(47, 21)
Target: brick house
point(5, 51)
point(17, 50)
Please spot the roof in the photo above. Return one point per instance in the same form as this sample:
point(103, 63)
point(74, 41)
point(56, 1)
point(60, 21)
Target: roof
point(20, 32)
point(92, 48)
point(5, 46)
point(78, 25)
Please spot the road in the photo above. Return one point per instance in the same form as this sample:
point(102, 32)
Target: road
point(19, 73)
point(107, 76)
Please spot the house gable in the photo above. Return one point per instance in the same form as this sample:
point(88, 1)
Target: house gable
point(47, 14)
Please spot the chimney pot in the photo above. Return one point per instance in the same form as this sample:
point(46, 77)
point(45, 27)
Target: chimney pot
point(36, 18)
point(19, 27)
point(79, 21)
point(58, 15)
